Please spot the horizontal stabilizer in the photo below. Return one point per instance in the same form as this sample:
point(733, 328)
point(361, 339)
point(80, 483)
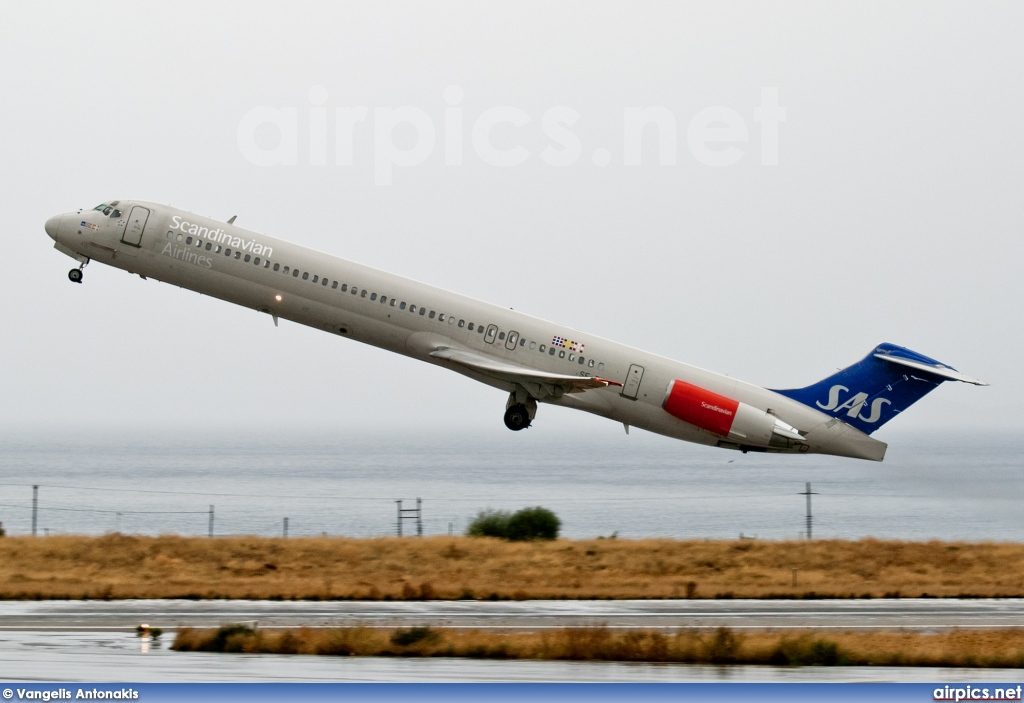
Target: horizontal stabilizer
point(947, 372)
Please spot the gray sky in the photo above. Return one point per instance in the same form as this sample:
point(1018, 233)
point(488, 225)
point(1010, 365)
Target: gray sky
point(894, 213)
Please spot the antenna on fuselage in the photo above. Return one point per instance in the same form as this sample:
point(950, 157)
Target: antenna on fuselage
point(232, 220)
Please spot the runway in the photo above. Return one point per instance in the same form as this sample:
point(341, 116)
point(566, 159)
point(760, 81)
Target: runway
point(909, 614)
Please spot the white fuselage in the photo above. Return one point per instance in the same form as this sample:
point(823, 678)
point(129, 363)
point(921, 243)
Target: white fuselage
point(345, 298)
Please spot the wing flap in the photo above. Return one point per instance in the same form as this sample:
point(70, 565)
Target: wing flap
point(521, 374)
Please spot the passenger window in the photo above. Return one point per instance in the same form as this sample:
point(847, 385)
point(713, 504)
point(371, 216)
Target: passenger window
point(431, 316)
point(277, 267)
point(334, 286)
point(600, 367)
point(440, 318)
point(188, 241)
point(227, 252)
point(295, 273)
point(383, 299)
point(344, 287)
point(373, 296)
point(363, 294)
point(422, 310)
point(180, 236)
point(170, 235)
point(462, 323)
point(402, 306)
point(470, 326)
point(572, 357)
point(326, 281)
point(561, 354)
point(581, 361)
point(208, 246)
point(542, 348)
point(522, 342)
point(392, 303)
point(590, 363)
point(305, 275)
point(238, 254)
point(247, 257)
point(255, 262)
point(533, 345)
point(315, 278)
point(451, 320)
point(285, 270)
point(501, 335)
point(266, 264)
point(480, 329)
point(551, 351)
point(355, 290)
point(217, 250)
point(412, 308)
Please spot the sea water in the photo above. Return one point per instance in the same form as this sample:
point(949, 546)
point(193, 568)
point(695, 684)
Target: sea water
point(937, 486)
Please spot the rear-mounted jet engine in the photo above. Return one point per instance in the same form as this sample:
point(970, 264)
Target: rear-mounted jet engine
point(738, 422)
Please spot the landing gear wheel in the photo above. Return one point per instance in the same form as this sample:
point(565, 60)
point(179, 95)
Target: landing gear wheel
point(75, 275)
point(517, 417)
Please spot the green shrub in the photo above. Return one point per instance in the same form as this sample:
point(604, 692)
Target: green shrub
point(525, 524)
point(490, 523)
point(533, 523)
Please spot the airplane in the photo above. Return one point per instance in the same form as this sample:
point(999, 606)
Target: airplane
point(533, 360)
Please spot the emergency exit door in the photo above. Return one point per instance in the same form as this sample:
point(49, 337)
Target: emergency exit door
point(136, 223)
point(631, 387)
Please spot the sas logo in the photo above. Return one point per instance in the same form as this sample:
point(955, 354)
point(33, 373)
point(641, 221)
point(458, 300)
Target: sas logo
point(854, 404)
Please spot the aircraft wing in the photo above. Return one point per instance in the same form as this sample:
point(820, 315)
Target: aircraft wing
point(522, 375)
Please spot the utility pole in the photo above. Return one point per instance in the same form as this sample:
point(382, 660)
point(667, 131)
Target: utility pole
point(211, 521)
point(35, 507)
point(808, 492)
point(286, 527)
point(411, 514)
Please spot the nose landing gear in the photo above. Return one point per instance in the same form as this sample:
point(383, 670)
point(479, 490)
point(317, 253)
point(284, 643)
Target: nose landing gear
point(519, 412)
point(75, 275)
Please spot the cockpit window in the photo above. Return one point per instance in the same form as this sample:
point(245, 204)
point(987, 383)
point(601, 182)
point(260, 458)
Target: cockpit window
point(115, 213)
point(100, 206)
point(107, 209)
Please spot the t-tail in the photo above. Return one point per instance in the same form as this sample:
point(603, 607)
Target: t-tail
point(878, 387)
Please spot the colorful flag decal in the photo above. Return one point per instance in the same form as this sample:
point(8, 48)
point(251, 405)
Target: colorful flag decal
point(577, 347)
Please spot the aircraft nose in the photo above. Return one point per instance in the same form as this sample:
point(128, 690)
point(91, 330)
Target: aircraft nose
point(53, 226)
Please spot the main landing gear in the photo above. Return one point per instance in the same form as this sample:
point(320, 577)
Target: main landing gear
point(519, 412)
point(75, 275)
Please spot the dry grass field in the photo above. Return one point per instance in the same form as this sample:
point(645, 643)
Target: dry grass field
point(1003, 648)
point(117, 566)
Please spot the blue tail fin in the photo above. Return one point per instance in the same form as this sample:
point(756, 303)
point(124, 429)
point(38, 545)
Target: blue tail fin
point(878, 387)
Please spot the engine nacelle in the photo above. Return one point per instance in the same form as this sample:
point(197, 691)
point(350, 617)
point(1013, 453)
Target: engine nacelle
point(736, 421)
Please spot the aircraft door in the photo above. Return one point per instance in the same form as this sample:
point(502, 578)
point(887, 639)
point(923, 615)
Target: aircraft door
point(512, 339)
point(631, 388)
point(136, 223)
point(491, 333)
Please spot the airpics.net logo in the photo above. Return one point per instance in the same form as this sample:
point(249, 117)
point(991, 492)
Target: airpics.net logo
point(407, 136)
